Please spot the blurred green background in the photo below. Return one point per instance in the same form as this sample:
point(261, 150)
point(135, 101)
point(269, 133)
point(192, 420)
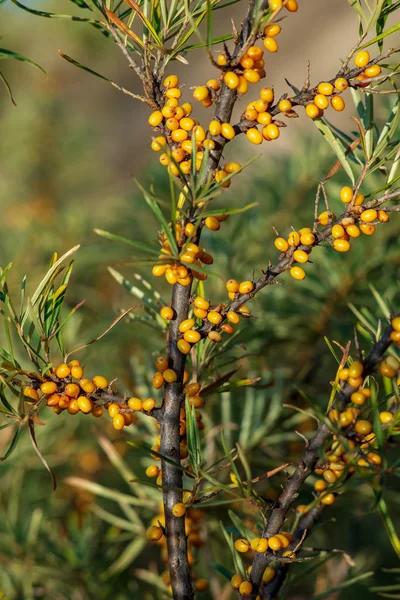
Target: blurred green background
point(68, 154)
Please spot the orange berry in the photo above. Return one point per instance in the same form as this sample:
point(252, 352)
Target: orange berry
point(100, 382)
point(227, 131)
point(300, 256)
point(373, 71)
point(63, 371)
point(337, 103)
point(325, 88)
point(242, 545)
point(294, 238)
point(297, 273)
point(254, 136)
point(369, 215)
point(341, 245)
point(328, 499)
point(167, 313)
point(362, 58)
point(87, 386)
point(274, 543)
point(157, 381)
point(272, 131)
point(170, 375)
point(291, 5)
point(231, 80)
point(270, 44)
point(272, 30)
point(285, 105)
point(341, 84)
point(281, 244)
point(367, 229)
point(76, 372)
point(85, 404)
point(313, 111)
point(30, 392)
point(245, 287)
point(385, 417)
point(179, 509)
point(245, 588)
point(155, 118)
point(171, 81)
point(321, 101)
point(353, 231)
point(72, 390)
point(148, 404)
point(192, 336)
point(48, 388)
point(135, 404)
point(161, 364)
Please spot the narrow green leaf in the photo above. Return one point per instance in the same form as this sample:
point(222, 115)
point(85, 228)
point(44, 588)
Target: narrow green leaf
point(4, 54)
point(118, 238)
point(13, 443)
point(382, 36)
point(244, 531)
point(342, 586)
point(336, 146)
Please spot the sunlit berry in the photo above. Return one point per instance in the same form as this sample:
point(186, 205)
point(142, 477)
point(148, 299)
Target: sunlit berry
point(307, 239)
point(212, 223)
point(155, 118)
point(281, 244)
point(274, 543)
point(297, 273)
point(292, 5)
point(313, 111)
point(285, 106)
point(367, 228)
point(254, 136)
point(362, 58)
point(275, 4)
point(321, 101)
point(63, 371)
point(369, 215)
point(171, 81)
point(272, 30)
point(87, 386)
point(242, 545)
point(148, 404)
point(337, 103)
point(231, 80)
point(215, 128)
point(385, 417)
point(270, 44)
point(387, 370)
point(353, 231)
point(320, 485)
point(48, 388)
point(341, 84)
point(232, 317)
point(30, 392)
point(100, 382)
point(341, 245)
point(167, 313)
point(373, 71)
point(294, 238)
point(85, 404)
point(300, 256)
point(179, 509)
point(186, 325)
point(236, 581)
point(73, 407)
point(72, 390)
point(271, 131)
point(245, 287)
point(192, 336)
point(328, 499)
point(135, 404)
point(227, 131)
point(325, 88)
point(325, 217)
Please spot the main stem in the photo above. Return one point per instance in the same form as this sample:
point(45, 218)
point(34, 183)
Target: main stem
point(172, 478)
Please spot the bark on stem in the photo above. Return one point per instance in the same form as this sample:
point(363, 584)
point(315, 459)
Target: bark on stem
point(169, 447)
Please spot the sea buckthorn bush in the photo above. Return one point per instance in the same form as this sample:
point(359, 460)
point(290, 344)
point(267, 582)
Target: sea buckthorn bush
point(178, 413)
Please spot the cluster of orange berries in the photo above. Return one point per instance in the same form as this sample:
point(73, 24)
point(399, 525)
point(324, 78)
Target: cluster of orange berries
point(274, 543)
point(83, 395)
point(343, 457)
point(203, 312)
point(62, 393)
point(342, 231)
point(191, 254)
point(326, 90)
point(193, 528)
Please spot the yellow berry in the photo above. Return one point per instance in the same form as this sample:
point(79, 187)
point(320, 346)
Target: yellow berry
point(30, 392)
point(356, 369)
point(254, 136)
point(155, 118)
point(171, 81)
point(281, 244)
point(179, 509)
point(275, 4)
point(321, 101)
point(161, 363)
point(358, 398)
point(100, 382)
point(63, 371)
point(369, 215)
point(231, 80)
point(300, 256)
point(186, 325)
point(148, 404)
point(325, 88)
point(227, 131)
point(201, 93)
point(320, 485)
point(170, 376)
point(192, 336)
point(85, 404)
point(274, 543)
point(87, 386)
point(167, 313)
point(48, 388)
point(215, 128)
point(363, 427)
point(76, 372)
point(118, 422)
point(272, 131)
point(367, 229)
point(242, 545)
point(233, 286)
point(158, 380)
point(272, 30)
point(291, 5)
point(341, 245)
point(212, 223)
point(341, 84)
point(313, 111)
point(307, 239)
point(353, 231)
point(214, 317)
point(158, 143)
point(285, 106)
point(337, 103)
point(270, 44)
point(328, 499)
point(245, 588)
point(183, 346)
point(232, 317)
point(245, 287)
point(73, 407)
point(72, 390)
point(385, 417)
point(387, 371)
point(294, 238)
point(373, 71)
point(362, 58)
point(267, 94)
point(297, 273)
point(232, 167)
point(236, 581)
point(135, 404)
